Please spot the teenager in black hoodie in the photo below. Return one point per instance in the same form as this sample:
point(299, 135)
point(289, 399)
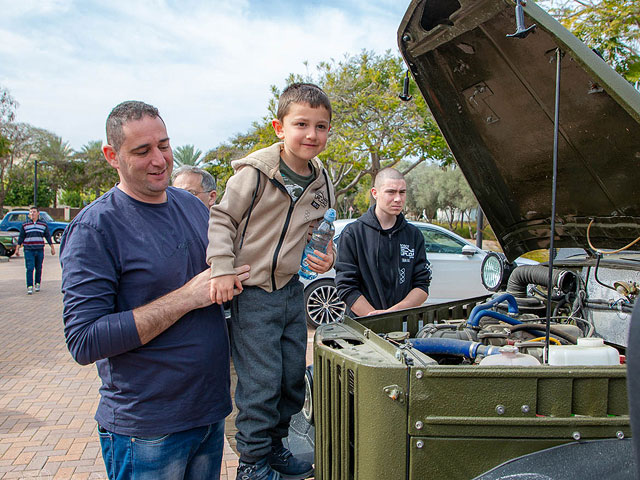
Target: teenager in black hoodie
point(382, 264)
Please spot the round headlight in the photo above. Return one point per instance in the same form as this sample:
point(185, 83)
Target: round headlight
point(493, 271)
point(307, 408)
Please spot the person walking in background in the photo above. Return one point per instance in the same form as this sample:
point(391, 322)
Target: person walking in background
point(382, 262)
point(32, 235)
point(197, 182)
point(136, 302)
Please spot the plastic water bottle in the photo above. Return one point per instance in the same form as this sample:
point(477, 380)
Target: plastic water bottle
point(319, 240)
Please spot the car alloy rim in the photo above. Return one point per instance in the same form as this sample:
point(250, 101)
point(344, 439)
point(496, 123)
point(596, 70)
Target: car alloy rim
point(324, 306)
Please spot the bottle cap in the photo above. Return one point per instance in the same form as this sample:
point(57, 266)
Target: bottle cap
point(330, 215)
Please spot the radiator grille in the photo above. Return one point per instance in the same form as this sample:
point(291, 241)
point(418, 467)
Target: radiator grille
point(334, 420)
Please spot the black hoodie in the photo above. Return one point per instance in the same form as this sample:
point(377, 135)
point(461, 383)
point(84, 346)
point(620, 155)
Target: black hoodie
point(382, 265)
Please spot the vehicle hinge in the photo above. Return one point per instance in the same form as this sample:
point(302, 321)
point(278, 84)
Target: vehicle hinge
point(394, 392)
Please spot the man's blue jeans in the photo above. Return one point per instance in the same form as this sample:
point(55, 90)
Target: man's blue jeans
point(33, 259)
point(193, 454)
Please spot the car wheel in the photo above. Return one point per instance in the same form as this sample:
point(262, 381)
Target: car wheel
point(322, 303)
point(3, 251)
point(57, 235)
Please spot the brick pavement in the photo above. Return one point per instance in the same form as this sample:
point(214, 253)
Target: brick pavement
point(47, 401)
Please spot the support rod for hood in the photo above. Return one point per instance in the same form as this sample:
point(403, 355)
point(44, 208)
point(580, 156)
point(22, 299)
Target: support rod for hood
point(554, 184)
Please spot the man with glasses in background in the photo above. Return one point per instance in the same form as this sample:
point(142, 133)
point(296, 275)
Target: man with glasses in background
point(196, 181)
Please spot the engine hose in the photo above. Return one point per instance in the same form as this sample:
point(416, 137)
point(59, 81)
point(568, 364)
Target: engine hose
point(513, 307)
point(559, 305)
point(522, 276)
point(539, 328)
point(452, 346)
point(498, 316)
point(605, 305)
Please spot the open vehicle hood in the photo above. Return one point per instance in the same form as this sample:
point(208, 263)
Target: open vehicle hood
point(493, 97)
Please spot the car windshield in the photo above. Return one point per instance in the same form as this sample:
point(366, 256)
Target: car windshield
point(44, 216)
point(438, 242)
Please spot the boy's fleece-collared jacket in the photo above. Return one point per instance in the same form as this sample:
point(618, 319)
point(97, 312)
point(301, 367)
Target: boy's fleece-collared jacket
point(257, 223)
point(382, 265)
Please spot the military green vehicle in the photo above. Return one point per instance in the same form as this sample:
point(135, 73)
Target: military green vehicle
point(8, 243)
point(548, 137)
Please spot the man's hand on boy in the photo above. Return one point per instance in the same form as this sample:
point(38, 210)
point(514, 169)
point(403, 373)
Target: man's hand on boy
point(321, 262)
point(243, 273)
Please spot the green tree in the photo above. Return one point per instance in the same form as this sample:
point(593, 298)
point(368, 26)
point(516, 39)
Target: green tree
point(90, 174)
point(218, 160)
point(187, 155)
point(8, 108)
point(20, 188)
point(371, 127)
point(423, 185)
point(54, 155)
point(26, 143)
point(612, 27)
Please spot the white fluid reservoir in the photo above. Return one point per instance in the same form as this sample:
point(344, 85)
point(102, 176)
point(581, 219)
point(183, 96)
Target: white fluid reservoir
point(509, 356)
point(588, 351)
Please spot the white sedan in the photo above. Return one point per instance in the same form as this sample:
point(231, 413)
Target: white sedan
point(455, 265)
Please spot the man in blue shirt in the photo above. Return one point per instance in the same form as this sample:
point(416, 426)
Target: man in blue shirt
point(136, 302)
point(32, 236)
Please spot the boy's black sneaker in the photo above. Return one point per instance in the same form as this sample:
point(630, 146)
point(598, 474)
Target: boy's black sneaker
point(291, 468)
point(256, 471)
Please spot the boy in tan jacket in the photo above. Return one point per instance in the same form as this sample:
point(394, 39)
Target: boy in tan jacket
point(269, 203)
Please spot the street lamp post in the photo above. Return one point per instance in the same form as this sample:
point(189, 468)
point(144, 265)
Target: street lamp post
point(35, 183)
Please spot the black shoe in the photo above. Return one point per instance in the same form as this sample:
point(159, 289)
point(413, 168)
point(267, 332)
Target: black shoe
point(291, 468)
point(256, 471)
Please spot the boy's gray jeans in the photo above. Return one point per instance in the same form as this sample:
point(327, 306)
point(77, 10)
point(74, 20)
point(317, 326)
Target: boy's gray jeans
point(268, 344)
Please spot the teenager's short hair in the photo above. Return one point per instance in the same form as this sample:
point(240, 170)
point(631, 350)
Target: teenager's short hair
point(121, 114)
point(387, 174)
point(33, 207)
point(207, 181)
point(302, 93)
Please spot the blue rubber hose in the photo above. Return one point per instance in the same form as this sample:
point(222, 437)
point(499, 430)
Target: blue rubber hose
point(453, 346)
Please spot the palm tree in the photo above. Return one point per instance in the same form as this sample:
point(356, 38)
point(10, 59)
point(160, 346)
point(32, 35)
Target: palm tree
point(188, 155)
point(55, 155)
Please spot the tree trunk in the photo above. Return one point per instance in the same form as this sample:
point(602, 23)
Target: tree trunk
point(375, 168)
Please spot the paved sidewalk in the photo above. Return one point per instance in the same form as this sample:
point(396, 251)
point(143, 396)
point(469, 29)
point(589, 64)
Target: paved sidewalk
point(47, 401)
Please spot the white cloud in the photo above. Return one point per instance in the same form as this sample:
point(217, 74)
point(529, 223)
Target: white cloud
point(208, 68)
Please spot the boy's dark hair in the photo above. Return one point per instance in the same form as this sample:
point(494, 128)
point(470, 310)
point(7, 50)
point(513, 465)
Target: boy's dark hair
point(121, 114)
point(302, 93)
point(33, 207)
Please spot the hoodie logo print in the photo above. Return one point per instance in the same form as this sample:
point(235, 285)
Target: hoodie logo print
point(406, 253)
point(320, 200)
point(401, 272)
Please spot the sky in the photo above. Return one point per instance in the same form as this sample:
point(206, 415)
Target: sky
point(208, 65)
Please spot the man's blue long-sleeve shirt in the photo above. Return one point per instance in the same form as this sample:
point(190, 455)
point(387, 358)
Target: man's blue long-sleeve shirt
point(119, 254)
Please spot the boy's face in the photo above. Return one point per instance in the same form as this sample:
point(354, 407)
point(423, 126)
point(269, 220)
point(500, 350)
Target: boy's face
point(304, 130)
point(390, 196)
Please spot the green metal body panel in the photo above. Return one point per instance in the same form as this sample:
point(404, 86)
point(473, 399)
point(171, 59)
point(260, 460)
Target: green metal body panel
point(382, 411)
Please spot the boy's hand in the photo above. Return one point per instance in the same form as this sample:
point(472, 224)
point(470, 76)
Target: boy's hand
point(321, 262)
point(222, 288)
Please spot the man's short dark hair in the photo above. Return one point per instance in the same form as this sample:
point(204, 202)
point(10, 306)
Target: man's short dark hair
point(33, 207)
point(302, 93)
point(121, 114)
point(208, 182)
point(387, 173)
